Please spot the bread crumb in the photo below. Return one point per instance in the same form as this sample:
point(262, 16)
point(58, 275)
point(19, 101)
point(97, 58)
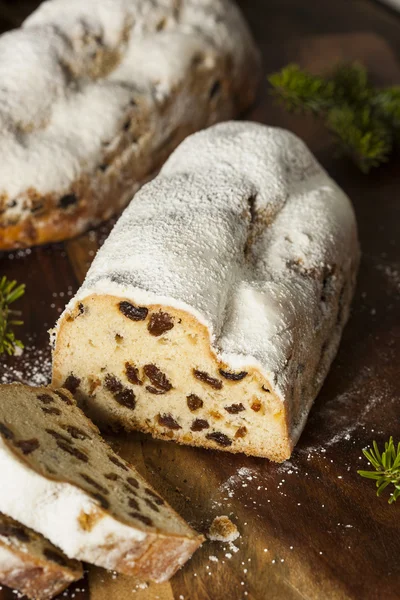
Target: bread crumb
point(223, 530)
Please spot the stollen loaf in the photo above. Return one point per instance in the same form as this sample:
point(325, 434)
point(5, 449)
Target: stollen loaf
point(219, 299)
point(60, 478)
point(31, 565)
point(94, 96)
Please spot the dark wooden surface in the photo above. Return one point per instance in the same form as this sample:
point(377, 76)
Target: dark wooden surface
point(311, 528)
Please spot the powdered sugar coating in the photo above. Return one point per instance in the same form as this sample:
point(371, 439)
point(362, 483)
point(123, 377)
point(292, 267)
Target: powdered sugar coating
point(69, 74)
point(238, 217)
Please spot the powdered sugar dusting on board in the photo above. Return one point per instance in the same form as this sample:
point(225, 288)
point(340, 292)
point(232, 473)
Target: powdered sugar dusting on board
point(32, 367)
point(392, 274)
point(346, 413)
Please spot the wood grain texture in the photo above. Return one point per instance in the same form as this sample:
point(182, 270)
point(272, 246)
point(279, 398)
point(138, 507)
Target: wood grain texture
point(311, 528)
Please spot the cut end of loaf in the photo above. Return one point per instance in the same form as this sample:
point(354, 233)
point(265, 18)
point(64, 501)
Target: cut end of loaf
point(152, 368)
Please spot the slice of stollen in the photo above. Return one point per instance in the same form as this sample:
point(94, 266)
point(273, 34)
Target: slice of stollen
point(31, 565)
point(61, 479)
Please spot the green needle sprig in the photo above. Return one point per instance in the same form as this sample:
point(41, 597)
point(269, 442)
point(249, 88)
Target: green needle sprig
point(9, 293)
point(364, 120)
point(387, 468)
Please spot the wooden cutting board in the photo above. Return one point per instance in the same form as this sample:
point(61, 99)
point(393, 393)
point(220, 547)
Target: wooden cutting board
point(310, 528)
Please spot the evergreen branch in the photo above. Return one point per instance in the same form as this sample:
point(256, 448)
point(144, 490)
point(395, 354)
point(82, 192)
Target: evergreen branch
point(351, 84)
point(300, 91)
point(361, 136)
point(364, 121)
point(387, 468)
point(9, 293)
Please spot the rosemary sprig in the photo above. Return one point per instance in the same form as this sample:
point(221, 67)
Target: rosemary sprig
point(387, 468)
point(9, 293)
point(364, 120)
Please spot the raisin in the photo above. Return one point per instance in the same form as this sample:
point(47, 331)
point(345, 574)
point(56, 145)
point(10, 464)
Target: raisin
point(168, 420)
point(67, 200)
point(13, 531)
point(233, 376)
point(128, 489)
point(153, 390)
point(28, 446)
point(155, 497)
point(151, 505)
point(132, 374)
point(52, 410)
point(64, 397)
point(199, 425)
point(73, 451)
point(117, 462)
point(135, 313)
point(76, 432)
point(81, 309)
point(46, 398)
point(233, 409)
point(71, 383)
point(194, 402)
point(241, 432)
point(157, 378)
point(133, 482)
point(111, 476)
point(265, 389)
point(112, 384)
point(142, 518)
point(219, 438)
point(215, 89)
point(256, 406)
point(133, 503)
point(58, 436)
point(203, 376)
point(159, 323)
point(126, 398)
point(94, 483)
point(6, 432)
point(104, 503)
point(55, 557)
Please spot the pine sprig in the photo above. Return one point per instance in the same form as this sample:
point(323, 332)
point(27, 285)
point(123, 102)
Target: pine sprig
point(9, 293)
point(387, 468)
point(364, 120)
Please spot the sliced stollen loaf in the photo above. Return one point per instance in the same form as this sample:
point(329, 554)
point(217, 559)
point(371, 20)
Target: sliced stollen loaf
point(61, 479)
point(31, 565)
point(94, 96)
point(218, 301)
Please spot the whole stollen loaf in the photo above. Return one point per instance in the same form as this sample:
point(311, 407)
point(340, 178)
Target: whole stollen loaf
point(219, 298)
point(94, 96)
point(60, 478)
point(31, 565)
